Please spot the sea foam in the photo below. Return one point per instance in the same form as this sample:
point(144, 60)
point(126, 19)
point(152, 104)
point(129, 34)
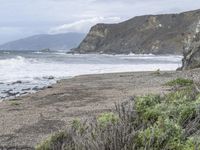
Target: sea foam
point(33, 70)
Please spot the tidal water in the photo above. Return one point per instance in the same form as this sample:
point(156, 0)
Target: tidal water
point(23, 72)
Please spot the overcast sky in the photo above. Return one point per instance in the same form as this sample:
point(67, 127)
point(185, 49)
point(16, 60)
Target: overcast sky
point(21, 18)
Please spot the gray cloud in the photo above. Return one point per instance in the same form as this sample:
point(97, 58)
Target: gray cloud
point(82, 25)
point(27, 17)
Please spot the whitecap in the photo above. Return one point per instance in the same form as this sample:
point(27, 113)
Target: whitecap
point(33, 71)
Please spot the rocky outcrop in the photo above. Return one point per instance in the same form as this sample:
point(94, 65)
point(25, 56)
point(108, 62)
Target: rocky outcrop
point(157, 34)
point(191, 58)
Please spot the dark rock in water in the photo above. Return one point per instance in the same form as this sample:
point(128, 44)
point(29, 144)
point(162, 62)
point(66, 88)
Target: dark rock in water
point(49, 87)
point(9, 94)
point(7, 91)
point(28, 89)
point(191, 58)
point(49, 77)
point(42, 88)
point(156, 34)
point(17, 82)
point(2, 97)
point(24, 93)
point(38, 88)
point(1, 83)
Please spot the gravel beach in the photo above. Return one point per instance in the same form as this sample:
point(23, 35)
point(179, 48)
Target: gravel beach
point(26, 121)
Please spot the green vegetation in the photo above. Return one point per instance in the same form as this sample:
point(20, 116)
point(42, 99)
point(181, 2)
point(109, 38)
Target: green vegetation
point(53, 142)
point(152, 122)
point(180, 82)
point(107, 118)
point(157, 72)
point(14, 103)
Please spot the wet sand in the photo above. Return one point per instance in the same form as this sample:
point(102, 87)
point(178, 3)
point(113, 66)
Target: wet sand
point(27, 120)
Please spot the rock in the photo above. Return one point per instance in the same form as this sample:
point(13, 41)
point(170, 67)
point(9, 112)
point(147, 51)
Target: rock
point(191, 58)
point(2, 97)
point(9, 94)
point(49, 87)
point(156, 34)
point(17, 82)
point(7, 91)
point(24, 93)
point(38, 88)
point(49, 77)
point(28, 89)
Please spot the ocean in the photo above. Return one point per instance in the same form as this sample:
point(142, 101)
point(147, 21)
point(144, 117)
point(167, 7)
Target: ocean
point(23, 72)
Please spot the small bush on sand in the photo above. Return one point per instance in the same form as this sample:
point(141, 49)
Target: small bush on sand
point(180, 82)
point(157, 72)
point(14, 103)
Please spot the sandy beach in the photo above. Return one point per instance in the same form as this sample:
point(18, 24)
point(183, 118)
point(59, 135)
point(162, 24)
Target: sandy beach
point(26, 121)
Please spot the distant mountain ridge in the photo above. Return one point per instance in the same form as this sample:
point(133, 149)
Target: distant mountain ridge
point(63, 41)
point(156, 34)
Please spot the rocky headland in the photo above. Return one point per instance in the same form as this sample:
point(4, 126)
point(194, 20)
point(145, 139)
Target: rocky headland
point(191, 53)
point(156, 34)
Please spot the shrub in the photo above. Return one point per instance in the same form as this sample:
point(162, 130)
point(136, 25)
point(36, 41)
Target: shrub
point(149, 122)
point(180, 82)
point(144, 102)
point(14, 103)
point(107, 118)
point(55, 142)
point(157, 72)
point(162, 134)
point(76, 124)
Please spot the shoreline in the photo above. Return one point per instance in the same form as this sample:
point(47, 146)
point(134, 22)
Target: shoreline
point(49, 86)
point(28, 120)
point(28, 73)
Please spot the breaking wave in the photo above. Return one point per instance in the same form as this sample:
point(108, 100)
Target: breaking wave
point(34, 69)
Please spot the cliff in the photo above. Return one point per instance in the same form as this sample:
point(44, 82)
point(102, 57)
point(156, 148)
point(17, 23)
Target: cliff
point(157, 34)
point(191, 53)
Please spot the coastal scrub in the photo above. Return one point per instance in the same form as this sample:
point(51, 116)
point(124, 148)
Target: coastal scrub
point(150, 122)
point(180, 82)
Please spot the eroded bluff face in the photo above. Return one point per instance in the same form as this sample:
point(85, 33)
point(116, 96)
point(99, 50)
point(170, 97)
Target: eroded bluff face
point(191, 58)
